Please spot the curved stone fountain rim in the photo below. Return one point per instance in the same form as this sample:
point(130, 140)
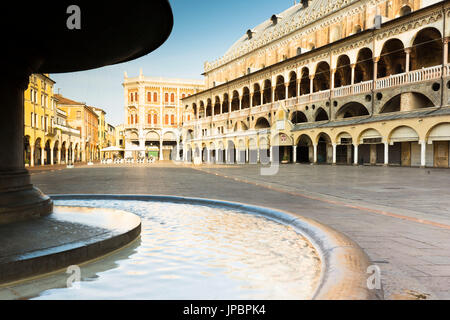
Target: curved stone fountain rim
point(344, 264)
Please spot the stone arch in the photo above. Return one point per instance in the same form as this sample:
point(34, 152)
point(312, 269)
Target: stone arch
point(235, 101)
point(369, 133)
point(407, 101)
point(292, 88)
point(352, 109)
point(343, 74)
point(256, 94)
point(305, 83)
point(169, 136)
point(426, 49)
point(392, 59)
point(201, 110)
point(217, 106)
point(305, 151)
point(364, 65)
point(321, 115)
point(208, 112)
point(404, 10)
point(439, 132)
point(267, 93)
point(262, 123)
point(245, 98)
point(280, 90)
point(225, 103)
point(343, 135)
point(324, 148)
point(403, 133)
point(322, 77)
point(298, 117)
point(151, 136)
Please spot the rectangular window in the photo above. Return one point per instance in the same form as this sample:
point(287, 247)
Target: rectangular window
point(32, 119)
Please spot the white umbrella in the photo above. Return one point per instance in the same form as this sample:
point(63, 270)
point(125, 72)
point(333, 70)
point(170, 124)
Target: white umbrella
point(111, 149)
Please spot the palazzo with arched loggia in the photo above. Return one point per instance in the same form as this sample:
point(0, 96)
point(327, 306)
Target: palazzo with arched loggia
point(374, 96)
point(153, 116)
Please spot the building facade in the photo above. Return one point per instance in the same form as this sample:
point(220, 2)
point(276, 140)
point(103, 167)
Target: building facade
point(48, 138)
point(84, 119)
point(154, 115)
point(351, 82)
point(102, 130)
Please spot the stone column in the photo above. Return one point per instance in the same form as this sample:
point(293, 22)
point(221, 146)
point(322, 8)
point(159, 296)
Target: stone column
point(258, 155)
point(353, 66)
point(446, 51)
point(59, 156)
point(375, 68)
point(66, 159)
point(177, 156)
point(19, 200)
point(247, 155)
point(161, 157)
point(271, 155)
point(315, 153)
point(311, 83)
point(423, 153)
point(355, 162)
point(42, 156)
point(333, 73)
point(408, 59)
point(51, 156)
point(287, 91)
point(31, 155)
point(334, 154)
point(294, 154)
point(261, 92)
point(386, 154)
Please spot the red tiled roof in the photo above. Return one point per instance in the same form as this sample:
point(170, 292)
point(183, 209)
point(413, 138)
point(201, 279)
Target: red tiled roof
point(64, 100)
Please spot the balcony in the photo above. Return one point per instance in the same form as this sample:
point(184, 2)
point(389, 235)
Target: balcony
point(411, 77)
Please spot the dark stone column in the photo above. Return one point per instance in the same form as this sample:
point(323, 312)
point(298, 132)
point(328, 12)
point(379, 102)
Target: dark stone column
point(19, 200)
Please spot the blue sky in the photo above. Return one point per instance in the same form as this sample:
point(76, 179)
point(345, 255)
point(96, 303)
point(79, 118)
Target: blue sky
point(203, 31)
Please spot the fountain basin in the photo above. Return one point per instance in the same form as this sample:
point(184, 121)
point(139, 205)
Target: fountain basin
point(343, 265)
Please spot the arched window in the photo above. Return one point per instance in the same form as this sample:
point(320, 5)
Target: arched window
point(172, 98)
point(136, 97)
point(172, 119)
point(155, 119)
point(132, 98)
point(405, 10)
point(167, 97)
point(166, 119)
point(136, 119)
point(149, 118)
point(149, 96)
point(155, 97)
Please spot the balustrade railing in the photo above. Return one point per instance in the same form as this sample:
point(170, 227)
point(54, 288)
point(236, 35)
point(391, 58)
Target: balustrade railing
point(415, 76)
point(424, 74)
point(321, 95)
point(342, 91)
